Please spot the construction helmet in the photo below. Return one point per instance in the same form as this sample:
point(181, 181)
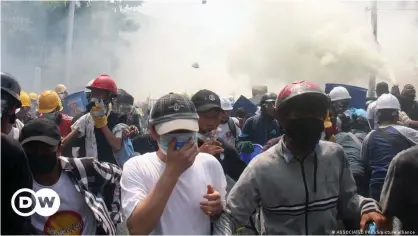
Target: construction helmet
point(48, 102)
point(25, 99)
point(339, 93)
point(10, 86)
point(300, 89)
point(33, 96)
point(60, 88)
point(106, 83)
point(388, 101)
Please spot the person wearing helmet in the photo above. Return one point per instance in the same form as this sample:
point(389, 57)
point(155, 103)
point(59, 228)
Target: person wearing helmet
point(340, 112)
point(340, 99)
point(61, 90)
point(260, 128)
point(50, 107)
point(381, 88)
point(96, 126)
point(15, 173)
point(229, 127)
point(302, 184)
point(24, 113)
point(385, 142)
point(10, 102)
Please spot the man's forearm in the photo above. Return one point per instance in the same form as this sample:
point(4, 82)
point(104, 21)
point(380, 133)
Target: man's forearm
point(115, 143)
point(147, 213)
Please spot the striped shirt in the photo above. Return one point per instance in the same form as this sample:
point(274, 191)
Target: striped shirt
point(99, 184)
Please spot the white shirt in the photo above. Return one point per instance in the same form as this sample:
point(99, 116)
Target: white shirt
point(85, 127)
point(371, 113)
point(226, 134)
point(182, 213)
point(74, 215)
point(15, 131)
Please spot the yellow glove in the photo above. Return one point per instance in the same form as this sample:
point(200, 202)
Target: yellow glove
point(98, 113)
point(100, 122)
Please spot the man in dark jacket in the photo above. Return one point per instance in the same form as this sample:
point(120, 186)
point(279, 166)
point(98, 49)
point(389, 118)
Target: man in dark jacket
point(259, 129)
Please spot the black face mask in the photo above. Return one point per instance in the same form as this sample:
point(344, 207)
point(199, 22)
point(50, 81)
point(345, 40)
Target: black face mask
point(304, 133)
point(42, 164)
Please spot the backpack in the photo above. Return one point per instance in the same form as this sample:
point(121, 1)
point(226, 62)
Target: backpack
point(232, 127)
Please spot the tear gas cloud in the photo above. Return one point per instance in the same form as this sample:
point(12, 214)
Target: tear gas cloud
point(239, 43)
point(243, 43)
point(328, 41)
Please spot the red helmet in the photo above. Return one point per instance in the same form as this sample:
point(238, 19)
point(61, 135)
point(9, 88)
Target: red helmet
point(104, 82)
point(299, 88)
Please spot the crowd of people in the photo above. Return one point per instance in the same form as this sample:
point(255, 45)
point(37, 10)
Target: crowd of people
point(324, 168)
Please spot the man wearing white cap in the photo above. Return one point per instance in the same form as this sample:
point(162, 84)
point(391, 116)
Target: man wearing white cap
point(229, 126)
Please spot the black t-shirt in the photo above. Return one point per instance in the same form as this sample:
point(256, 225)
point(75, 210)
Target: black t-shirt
point(15, 174)
point(104, 150)
point(144, 144)
point(399, 196)
point(230, 160)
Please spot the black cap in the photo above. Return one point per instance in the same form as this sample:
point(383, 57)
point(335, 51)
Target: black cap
point(204, 100)
point(268, 97)
point(41, 130)
point(174, 112)
point(124, 97)
point(10, 86)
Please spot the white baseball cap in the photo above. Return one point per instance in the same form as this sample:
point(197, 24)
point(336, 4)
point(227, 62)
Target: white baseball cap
point(226, 104)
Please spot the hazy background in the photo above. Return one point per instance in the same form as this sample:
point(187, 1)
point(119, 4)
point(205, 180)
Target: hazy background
point(238, 43)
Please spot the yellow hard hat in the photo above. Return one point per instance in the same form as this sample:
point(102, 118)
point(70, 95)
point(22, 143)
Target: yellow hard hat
point(25, 99)
point(60, 88)
point(327, 121)
point(33, 96)
point(48, 102)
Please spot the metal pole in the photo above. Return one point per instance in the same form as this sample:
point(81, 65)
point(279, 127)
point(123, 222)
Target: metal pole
point(69, 45)
point(372, 78)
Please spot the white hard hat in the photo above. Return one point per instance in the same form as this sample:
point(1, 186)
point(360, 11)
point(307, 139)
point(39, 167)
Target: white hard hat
point(339, 93)
point(86, 90)
point(388, 101)
point(226, 104)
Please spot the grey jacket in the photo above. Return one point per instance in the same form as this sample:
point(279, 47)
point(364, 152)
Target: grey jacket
point(295, 197)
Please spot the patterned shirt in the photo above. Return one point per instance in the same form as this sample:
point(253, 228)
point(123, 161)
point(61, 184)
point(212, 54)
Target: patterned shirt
point(99, 184)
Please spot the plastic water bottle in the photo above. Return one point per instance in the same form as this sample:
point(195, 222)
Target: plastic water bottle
point(371, 228)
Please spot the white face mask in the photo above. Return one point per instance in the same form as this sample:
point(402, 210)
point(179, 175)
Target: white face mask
point(181, 139)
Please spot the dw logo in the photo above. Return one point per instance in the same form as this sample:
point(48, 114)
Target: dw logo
point(45, 202)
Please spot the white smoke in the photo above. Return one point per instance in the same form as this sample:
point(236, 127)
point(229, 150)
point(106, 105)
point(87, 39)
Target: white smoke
point(328, 41)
